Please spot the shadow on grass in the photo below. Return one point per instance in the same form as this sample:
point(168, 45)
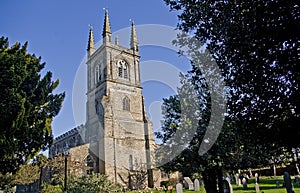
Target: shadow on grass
point(267, 184)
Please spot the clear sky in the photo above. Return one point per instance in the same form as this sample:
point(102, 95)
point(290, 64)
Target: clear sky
point(57, 30)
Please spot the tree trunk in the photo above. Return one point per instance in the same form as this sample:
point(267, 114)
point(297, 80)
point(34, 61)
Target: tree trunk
point(40, 179)
point(210, 180)
point(274, 166)
point(297, 161)
point(220, 180)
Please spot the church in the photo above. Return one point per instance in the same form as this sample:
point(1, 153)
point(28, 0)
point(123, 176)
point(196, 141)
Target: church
point(117, 137)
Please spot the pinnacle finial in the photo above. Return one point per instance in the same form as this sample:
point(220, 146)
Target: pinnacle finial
point(133, 39)
point(91, 42)
point(106, 26)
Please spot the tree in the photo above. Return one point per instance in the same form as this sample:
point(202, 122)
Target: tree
point(256, 45)
point(189, 114)
point(187, 124)
point(27, 174)
point(6, 181)
point(55, 168)
point(28, 106)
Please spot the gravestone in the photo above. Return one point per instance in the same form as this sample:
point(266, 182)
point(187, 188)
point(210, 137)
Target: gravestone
point(245, 186)
point(237, 179)
point(250, 172)
point(257, 190)
point(297, 180)
point(288, 182)
point(196, 185)
point(230, 186)
point(188, 184)
point(226, 186)
point(179, 188)
point(256, 178)
point(277, 184)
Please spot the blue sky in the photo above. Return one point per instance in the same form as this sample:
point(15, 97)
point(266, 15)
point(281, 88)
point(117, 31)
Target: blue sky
point(57, 30)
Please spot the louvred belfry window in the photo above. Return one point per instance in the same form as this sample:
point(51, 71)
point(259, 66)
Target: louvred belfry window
point(123, 69)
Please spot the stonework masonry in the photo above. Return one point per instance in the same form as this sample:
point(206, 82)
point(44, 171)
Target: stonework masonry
point(118, 132)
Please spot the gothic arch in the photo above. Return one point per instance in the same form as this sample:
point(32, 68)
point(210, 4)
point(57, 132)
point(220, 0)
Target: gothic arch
point(126, 104)
point(123, 68)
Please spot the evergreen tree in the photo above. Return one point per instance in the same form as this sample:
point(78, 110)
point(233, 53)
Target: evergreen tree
point(256, 46)
point(28, 106)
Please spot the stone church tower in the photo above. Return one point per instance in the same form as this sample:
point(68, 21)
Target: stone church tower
point(117, 128)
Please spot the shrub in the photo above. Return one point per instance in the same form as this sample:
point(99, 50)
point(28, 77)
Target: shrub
point(94, 183)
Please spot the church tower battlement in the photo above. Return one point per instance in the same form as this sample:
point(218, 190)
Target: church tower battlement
point(117, 127)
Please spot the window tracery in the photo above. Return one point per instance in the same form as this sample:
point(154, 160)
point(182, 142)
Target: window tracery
point(123, 69)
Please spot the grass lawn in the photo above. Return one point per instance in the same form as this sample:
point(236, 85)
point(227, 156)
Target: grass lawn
point(267, 185)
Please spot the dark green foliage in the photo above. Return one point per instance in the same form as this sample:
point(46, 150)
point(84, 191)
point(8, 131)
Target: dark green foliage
point(256, 46)
point(6, 181)
point(188, 114)
point(28, 106)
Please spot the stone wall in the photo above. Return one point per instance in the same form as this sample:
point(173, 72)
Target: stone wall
point(71, 138)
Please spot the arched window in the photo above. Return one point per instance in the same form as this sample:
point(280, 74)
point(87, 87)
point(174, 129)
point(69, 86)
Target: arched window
point(126, 104)
point(125, 68)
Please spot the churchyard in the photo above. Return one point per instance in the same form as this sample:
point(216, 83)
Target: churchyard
point(267, 185)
